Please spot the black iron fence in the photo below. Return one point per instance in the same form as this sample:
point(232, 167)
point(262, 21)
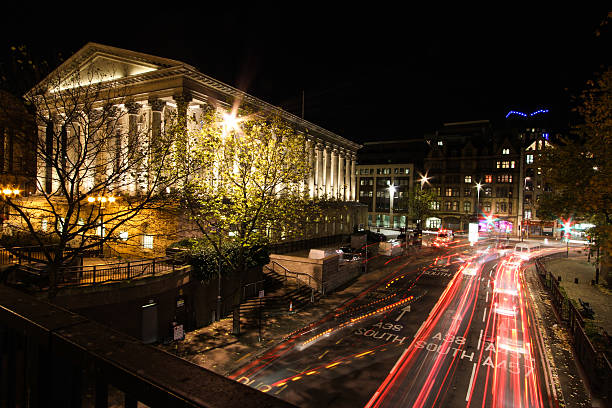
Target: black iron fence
point(103, 273)
point(35, 254)
point(594, 363)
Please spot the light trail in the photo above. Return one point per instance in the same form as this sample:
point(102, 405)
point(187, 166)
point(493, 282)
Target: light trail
point(504, 373)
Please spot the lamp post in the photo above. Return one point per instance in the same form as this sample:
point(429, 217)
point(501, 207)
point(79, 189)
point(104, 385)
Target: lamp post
point(7, 193)
point(392, 190)
point(101, 200)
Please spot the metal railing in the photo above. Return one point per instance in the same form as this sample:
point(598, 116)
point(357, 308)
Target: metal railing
point(595, 363)
point(98, 274)
point(35, 254)
point(288, 274)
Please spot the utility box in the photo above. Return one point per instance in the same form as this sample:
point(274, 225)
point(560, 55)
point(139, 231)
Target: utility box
point(391, 248)
point(320, 253)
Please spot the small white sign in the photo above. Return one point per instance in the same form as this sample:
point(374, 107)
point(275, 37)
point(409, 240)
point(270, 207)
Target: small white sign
point(179, 333)
point(473, 232)
point(261, 293)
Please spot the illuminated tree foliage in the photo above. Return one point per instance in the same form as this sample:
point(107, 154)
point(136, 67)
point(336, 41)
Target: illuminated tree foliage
point(246, 184)
point(579, 166)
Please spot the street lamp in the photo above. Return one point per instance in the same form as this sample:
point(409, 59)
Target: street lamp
point(424, 179)
point(392, 190)
point(101, 200)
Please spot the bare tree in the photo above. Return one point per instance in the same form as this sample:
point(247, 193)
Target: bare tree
point(100, 164)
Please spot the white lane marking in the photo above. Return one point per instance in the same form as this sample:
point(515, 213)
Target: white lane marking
point(484, 315)
point(479, 340)
point(467, 396)
point(487, 298)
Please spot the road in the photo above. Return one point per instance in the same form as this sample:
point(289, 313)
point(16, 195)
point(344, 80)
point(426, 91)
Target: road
point(455, 331)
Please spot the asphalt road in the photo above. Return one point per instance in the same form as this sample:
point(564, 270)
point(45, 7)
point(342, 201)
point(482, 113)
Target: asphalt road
point(454, 331)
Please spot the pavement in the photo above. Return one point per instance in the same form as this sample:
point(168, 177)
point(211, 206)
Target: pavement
point(215, 347)
point(577, 267)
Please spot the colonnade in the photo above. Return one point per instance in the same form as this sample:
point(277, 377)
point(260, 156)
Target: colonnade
point(333, 171)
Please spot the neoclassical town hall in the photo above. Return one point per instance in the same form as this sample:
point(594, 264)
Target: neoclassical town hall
point(156, 87)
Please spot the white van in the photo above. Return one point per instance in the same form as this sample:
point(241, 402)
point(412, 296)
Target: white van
point(526, 249)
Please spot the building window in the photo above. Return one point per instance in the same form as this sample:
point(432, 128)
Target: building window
point(467, 192)
point(500, 207)
point(447, 205)
point(448, 192)
point(43, 225)
point(527, 214)
point(434, 205)
point(434, 223)
point(467, 179)
point(486, 207)
point(455, 205)
point(488, 178)
point(147, 241)
point(467, 206)
point(488, 191)
point(504, 178)
point(440, 143)
point(529, 158)
point(505, 151)
point(123, 235)
point(506, 164)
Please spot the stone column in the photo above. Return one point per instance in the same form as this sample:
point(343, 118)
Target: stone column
point(130, 148)
point(157, 110)
point(326, 170)
point(347, 176)
point(333, 172)
point(310, 150)
point(341, 187)
point(319, 170)
point(182, 102)
point(353, 185)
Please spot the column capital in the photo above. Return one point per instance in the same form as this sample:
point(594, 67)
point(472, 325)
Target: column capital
point(132, 107)
point(181, 98)
point(157, 105)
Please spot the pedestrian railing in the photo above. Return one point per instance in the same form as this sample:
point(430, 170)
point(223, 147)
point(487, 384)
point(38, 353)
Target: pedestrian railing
point(595, 364)
point(105, 273)
point(299, 277)
point(35, 254)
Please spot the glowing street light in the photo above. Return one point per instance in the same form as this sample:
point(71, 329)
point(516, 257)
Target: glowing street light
point(424, 179)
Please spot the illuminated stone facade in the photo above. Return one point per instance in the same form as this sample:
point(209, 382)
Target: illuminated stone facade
point(155, 88)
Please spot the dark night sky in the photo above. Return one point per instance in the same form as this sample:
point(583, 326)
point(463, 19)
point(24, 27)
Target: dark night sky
point(367, 75)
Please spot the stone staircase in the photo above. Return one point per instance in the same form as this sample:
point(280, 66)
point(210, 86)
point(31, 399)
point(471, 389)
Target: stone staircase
point(279, 295)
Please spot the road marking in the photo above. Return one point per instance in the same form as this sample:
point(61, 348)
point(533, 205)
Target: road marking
point(404, 310)
point(479, 340)
point(338, 342)
point(321, 356)
point(487, 298)
point(467, 396)
point(484, 315)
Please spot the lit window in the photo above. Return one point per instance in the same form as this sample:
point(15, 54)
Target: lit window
point(529, 158)
point(505, 151)
point(123, 236)
point(488, 178)
point(527, 214)
point(467, 179)
point(43, 225)
point(467, 206)
point(440, 143)
point(147, 241)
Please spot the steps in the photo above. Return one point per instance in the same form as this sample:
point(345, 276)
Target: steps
point(277, 300)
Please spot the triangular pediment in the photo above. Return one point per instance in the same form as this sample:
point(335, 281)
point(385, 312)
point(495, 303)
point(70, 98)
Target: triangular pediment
point(95, 63)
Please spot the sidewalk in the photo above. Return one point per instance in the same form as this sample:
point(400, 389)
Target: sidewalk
point(598, 296)
point(215, 348)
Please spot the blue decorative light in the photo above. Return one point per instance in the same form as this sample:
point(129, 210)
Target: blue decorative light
point(545, 136)
point(525, 115)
